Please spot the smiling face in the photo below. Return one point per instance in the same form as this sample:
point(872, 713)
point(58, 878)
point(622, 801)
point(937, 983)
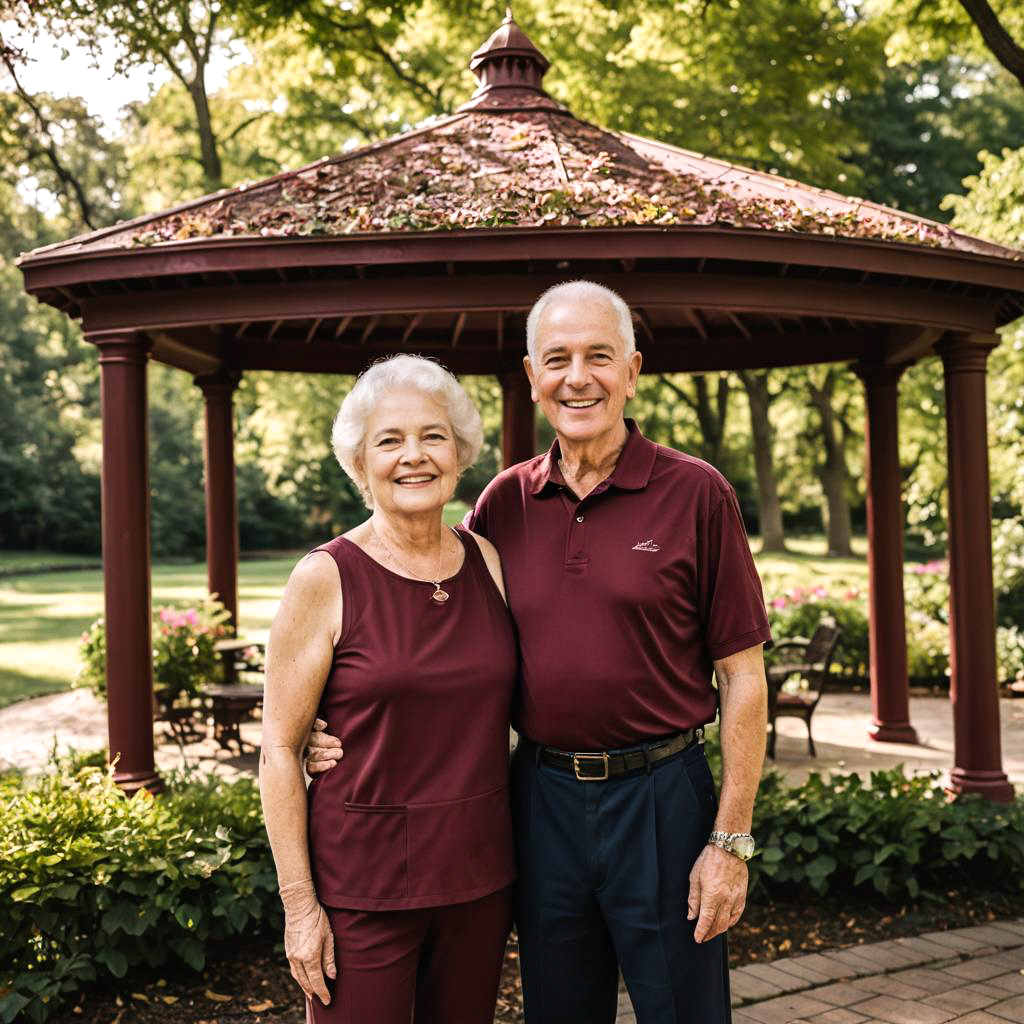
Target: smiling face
point(409, 458)
point(582, 376)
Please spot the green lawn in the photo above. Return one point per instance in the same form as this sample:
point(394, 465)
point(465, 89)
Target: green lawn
point(42, 616)
point(22, 561)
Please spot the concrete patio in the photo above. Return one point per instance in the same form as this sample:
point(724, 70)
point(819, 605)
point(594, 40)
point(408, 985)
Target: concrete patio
point(77, 719)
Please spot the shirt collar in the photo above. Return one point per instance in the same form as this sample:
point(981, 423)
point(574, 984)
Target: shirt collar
point(632, 472)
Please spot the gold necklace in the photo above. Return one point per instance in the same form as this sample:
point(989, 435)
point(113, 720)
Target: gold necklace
point(439, 595)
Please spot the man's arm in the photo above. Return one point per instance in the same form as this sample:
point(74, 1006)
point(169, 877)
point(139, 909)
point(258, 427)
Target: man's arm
point(718, 881)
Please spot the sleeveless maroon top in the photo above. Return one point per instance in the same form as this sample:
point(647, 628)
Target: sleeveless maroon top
point(416, 814)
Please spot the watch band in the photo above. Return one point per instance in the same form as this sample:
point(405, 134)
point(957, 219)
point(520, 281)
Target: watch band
point(727, 841)
point(728, 837)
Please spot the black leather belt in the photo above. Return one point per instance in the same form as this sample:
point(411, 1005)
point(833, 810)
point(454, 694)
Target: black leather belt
point(596, 767)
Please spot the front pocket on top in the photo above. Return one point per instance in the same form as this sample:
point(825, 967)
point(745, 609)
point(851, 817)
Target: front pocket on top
point(372, 851)
point(461, 845)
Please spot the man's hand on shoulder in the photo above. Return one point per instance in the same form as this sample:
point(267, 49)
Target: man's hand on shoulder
point(718, 892)
point(323, 751)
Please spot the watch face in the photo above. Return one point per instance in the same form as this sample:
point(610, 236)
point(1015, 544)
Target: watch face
point(743, 846)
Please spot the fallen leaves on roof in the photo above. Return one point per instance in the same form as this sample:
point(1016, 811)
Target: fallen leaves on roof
point(524, 170)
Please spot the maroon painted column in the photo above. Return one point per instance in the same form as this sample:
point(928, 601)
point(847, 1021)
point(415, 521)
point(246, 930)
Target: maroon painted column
point(978, 766)
point(890, 697)
point(126, 559)
point(221, 502)
point(518, 432)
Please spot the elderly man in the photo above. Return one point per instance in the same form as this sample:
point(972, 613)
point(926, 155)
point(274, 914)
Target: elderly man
point(630, 578)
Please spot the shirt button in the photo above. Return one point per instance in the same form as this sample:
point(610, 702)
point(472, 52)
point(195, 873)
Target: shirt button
point(579, 519)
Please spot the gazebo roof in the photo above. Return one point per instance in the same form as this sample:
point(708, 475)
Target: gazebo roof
point(438, 239)
point(530, 169)
point(513, 158)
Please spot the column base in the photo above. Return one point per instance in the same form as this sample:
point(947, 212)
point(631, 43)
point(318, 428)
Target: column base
point(993, 785)
point(132, 782)
point(893, 732)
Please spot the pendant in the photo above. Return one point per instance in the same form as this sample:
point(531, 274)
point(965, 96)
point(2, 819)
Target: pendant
point(439, 595)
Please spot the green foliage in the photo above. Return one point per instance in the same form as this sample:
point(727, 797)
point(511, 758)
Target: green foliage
point(93, 884)
point(184, 654)
point(48, 497)
point(798, 612)
point(896, 836)
point(925, 123)
point(992, 205)
point(932, 29)
point(92, 659)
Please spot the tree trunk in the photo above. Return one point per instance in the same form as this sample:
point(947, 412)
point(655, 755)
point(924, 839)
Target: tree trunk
point(712, 416)
point(997, 39)
point(209, 156)
point(833, 473)
point(769, 509)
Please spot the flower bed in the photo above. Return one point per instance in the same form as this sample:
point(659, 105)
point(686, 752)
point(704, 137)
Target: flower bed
point(184, 650)
point(797, 611)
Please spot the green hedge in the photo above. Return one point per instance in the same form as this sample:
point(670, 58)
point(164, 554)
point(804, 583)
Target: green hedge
point(896, 835)
point(93, 884)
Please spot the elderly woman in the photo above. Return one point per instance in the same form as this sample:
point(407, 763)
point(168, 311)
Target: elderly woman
point(395, 875)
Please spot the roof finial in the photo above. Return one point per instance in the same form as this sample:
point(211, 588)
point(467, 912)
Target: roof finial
point(510, 68)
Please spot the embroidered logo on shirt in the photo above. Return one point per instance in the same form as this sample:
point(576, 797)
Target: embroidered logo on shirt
point(647, 545)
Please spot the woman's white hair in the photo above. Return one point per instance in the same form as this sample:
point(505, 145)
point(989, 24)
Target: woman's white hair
point(403, 372)
point(577, 291)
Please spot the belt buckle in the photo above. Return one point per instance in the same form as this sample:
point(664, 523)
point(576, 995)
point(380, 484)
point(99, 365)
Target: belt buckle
point(590, 758)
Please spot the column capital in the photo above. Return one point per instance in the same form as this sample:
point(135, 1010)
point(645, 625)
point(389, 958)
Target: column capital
point(966, 353)
point(121, 346)
point(223, 382)
point(880, 375)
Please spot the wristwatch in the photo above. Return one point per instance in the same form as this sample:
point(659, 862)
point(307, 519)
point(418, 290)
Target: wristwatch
point(739, 844)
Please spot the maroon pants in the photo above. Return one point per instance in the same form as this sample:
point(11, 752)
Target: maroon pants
point(439, 965)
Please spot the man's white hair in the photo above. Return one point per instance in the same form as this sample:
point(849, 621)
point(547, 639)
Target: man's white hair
point(585, 291)
point(400, 373)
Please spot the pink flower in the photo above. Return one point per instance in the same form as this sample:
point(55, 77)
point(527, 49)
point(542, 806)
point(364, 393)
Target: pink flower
point(779, 603)
point(933, 568)
point(820, 592)
point(852, 594)
point(166, 614)
point(191, 617)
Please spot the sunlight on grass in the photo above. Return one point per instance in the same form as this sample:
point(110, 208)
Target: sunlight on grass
point(806, 565)
point(42, 616)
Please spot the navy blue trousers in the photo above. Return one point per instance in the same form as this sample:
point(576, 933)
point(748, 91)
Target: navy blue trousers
point(603, 880)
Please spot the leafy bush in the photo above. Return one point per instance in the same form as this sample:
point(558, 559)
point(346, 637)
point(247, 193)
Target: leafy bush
point(898, 836)
point(184, 654)
point(1010, 652)
point(93, 884)
point(798, 612)
point(927, 648)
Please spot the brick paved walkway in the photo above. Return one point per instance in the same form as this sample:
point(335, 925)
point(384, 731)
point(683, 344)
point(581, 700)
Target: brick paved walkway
point(969, 976)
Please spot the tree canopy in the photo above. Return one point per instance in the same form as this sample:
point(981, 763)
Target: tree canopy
point(902, 101)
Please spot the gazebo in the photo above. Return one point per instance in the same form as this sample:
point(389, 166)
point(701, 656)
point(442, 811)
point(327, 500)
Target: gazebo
point(438, 240)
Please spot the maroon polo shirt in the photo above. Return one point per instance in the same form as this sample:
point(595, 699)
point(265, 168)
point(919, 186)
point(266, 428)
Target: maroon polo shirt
point(621, 600)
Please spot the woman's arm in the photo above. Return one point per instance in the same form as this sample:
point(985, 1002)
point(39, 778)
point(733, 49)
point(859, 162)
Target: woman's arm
point(302, 639)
